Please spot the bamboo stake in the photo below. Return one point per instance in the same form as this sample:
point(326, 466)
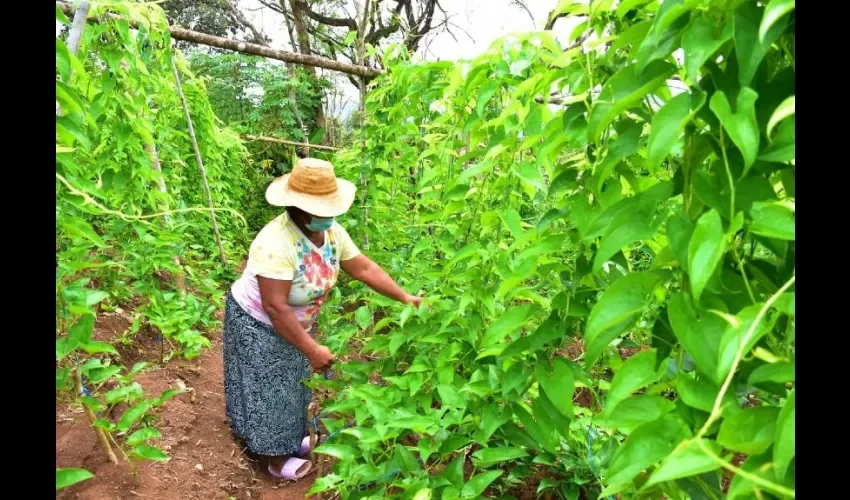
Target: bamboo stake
point(92, 418)
point(284, 141)
point(198, 160)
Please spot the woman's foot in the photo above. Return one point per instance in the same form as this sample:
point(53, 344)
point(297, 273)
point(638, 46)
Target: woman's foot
point(288, 468)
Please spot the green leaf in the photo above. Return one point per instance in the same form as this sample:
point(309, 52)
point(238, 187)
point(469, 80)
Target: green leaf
point(699, 43)
point(679, 231)
point(734, 335)
point(688, 460)
point(775, 10)
point(647, 445)
point(490, 456)
point(149, 452)
point(637, 410)
point(508, 323)
point(423, 494)
point(760, 466)
point(75, 226)
point(741, 125)
point(405, 459)
point(663, 37)
point(783, 147)
point(492, 417)
point(780, 373)
point(637, 372)
point(784, 110)
point(477, 484)
point(749, 431)
point(142, 435)
point(701, 394)
point(454, 472)
point(95, 296)
point(132, 415)
point(784, 447)
point(618, 309)
point(705, 251)
point(69, 477)
point(559, 385)
point(624, 90)
point(627, 227)
point(774, 219)
point(529, 173)
point(750, 46)
point(668, 123)
point(363, 316)
point(339, 451)
point(80, 332)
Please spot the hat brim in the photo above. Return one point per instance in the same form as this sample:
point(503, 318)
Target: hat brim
point(330, 205)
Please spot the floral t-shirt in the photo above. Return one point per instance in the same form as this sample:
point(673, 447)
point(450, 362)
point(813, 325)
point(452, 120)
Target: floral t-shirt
point(282, 252)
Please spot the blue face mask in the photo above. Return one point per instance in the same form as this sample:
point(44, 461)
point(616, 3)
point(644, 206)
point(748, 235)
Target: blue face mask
point(319, 224)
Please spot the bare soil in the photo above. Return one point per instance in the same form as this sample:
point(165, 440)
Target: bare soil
point(206, 461)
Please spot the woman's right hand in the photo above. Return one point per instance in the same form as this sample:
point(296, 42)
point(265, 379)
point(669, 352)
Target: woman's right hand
point(321, 358)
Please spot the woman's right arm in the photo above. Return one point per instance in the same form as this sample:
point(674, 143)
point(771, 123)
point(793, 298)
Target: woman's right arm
point(274, 294)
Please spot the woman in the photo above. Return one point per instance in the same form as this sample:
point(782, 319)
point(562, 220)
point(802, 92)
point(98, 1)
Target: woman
point(269, 327)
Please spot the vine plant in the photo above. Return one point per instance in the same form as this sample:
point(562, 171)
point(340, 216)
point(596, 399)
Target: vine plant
point(649, 203)
point(121, 221)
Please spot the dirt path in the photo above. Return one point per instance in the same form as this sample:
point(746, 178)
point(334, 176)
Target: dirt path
point(206, 462)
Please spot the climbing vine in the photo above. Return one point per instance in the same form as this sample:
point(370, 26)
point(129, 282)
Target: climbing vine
point(605, 234)
point(132, 221)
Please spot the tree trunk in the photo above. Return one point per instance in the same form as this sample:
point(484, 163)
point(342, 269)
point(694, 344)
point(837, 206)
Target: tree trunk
point(303, 36)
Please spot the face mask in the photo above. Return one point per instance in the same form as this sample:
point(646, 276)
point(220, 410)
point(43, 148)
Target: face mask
point(319, 224)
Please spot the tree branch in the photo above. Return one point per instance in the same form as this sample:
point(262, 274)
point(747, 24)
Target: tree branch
point(349, 23)
point(253, 49)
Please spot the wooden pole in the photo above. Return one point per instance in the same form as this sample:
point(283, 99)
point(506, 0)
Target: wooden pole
point(256, 49)
point(198, 160)
point(364, 182)
point(284, 141)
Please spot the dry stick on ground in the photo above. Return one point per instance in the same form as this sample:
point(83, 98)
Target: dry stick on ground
point(198, 159)
point(257, 50)
point(284, 141)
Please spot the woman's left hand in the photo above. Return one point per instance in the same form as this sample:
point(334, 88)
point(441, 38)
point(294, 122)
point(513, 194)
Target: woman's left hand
point(413, 300)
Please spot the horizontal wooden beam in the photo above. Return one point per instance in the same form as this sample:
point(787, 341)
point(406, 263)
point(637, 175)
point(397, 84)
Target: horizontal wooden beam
point(255, 49)
point(290, 143)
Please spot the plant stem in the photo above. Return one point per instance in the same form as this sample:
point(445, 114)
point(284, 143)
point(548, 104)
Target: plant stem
point(101, 436)
point(718, 403)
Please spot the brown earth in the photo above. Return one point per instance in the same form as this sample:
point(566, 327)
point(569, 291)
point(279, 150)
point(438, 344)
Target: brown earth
point(206, 461)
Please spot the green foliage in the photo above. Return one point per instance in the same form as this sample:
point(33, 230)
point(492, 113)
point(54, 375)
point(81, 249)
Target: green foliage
point(126, 231)
point(655, 207)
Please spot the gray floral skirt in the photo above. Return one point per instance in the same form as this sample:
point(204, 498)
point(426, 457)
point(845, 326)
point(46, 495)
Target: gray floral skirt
point(265, 398)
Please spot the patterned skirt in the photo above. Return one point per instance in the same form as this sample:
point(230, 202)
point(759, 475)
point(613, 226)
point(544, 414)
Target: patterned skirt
point(265, 398)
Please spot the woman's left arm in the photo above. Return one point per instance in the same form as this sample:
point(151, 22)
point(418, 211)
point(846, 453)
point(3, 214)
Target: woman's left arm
point(363, 269)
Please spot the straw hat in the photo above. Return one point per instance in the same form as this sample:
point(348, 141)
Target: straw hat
point(312, 187)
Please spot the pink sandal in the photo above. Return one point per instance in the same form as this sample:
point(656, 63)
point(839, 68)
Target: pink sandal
point(293, 469)
point(305, 448)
